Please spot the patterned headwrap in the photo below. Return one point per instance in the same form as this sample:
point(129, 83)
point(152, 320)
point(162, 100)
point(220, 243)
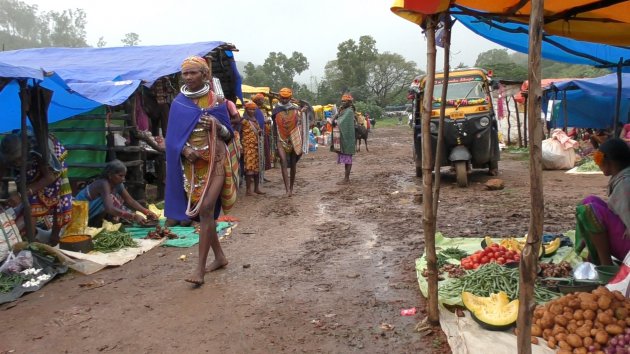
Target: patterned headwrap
point(258, 97)
point(250, 104)
point(347, 97)
point(286, 92)
point(195, 62)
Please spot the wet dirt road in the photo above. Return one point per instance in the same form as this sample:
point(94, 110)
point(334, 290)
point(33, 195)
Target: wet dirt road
point(326, 271)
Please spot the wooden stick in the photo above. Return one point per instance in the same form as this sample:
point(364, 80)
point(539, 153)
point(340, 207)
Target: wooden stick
point(509, 123)
point(529, 257)
point(428, 219)
point(518, 124)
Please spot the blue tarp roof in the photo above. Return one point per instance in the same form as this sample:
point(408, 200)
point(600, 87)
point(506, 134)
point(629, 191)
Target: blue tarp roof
point(85, 78)
point(515, 36)
point(109, 75)
point(590, 102)
point(64, 103)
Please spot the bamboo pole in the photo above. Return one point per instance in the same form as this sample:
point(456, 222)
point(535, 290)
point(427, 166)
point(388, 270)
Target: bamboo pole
point(25, 98)
point(526, 118)
point(518, 123)
point(529, 258)
point(509, 123)
point(428, 218)
point(446, 40)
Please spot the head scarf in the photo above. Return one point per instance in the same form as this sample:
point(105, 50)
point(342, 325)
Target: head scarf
point(286, 92)
point(347, 97)
point(195, 62)
point(250, 104)
point(259, 97)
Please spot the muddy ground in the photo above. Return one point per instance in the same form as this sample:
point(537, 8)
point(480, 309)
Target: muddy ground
point(327, 270)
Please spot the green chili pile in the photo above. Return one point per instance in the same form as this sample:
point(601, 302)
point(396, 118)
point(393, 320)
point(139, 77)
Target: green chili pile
point(492, 278)
point(112, 241)
point(451, 252)
point(8, 282)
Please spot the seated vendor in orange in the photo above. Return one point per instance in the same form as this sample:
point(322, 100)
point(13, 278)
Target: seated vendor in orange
point(107, 197)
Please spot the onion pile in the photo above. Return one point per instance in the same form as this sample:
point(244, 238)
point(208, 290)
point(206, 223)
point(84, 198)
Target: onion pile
point(619, 344)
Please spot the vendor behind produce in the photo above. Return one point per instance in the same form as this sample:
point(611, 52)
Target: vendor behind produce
point(604, 227)
point(107, 197)
point(47, 185)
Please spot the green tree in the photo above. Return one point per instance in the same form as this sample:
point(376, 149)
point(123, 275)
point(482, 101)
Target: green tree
point(352, 66)
point(501, 64)
point(389, 77)
point(101, 42)
point(66, 28)
point(374, 110)
point(22, 26)
point(277, 71)
point(131, 39)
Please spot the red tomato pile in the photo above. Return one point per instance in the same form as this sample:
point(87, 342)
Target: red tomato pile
point(493, 253)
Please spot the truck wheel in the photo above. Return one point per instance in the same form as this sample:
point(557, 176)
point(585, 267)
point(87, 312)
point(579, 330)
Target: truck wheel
point(462, 174)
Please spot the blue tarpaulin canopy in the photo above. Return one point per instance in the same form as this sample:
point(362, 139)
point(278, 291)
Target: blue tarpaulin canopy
point(94, 76)
point(590, 103)
point(64, 103)
point(515, 36)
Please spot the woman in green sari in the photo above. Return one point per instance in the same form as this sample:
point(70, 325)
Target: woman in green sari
point(604, 227)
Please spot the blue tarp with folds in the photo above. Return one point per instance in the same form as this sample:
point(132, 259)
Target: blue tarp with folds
point(590, 102)
point(515, 36)
point(64, 103)
point(93, 76)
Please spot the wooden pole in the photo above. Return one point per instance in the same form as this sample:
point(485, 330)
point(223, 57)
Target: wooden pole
point(446, 40)
point(617, 123)
point(564, 111)
point(428, 219)
point(529, 257)
point(25, 98)
point(509, 123)
point(525, 123)
point(521, 144)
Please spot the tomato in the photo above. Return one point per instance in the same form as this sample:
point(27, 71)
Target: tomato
point(517, 258)
point(501, 260)
point(484, 260)
point(475, 257)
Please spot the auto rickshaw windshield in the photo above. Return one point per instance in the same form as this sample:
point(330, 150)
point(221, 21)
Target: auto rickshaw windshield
point(461, 90)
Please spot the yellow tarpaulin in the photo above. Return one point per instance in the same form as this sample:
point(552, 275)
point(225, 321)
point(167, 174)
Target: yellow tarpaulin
point(600, 21)
point(252, 89)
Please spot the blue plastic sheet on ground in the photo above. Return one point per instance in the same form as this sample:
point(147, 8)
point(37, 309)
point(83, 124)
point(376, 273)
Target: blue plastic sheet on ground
point(187, 235)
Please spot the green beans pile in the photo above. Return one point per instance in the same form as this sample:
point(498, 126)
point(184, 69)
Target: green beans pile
point(491, 278)
point(112, 241)
point(8, 282)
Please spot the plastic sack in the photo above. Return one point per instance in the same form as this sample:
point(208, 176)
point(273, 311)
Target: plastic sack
point(15, 264)
point(9, 232)
point(585, 271)
point(555, 157)
point(621, 281)
point(80, 216)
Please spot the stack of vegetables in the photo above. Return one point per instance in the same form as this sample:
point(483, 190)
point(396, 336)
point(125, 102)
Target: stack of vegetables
point(580, 322)
point(112, 241)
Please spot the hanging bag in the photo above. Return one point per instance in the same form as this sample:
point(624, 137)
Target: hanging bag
point(10, 232)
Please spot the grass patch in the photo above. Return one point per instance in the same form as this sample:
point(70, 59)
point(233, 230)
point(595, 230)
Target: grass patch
point(390, 122)
point(516, 150)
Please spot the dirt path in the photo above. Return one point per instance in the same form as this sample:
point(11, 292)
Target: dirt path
point(325, 271)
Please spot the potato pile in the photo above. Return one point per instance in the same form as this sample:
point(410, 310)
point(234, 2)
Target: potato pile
point(582, 322)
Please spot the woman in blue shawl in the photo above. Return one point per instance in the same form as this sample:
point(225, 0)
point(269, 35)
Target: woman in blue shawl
point(199, 127)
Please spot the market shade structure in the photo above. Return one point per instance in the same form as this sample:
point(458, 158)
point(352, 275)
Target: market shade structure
point(86, 78)
point(599, 21)
point(64, 103)
point(603, 21)
point(589, 101)
point(110, 75)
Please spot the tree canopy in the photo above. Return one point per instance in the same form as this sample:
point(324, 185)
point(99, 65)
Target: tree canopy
point(23, 26)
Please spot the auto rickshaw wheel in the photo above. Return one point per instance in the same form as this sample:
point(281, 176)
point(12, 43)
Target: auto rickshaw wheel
point(461, 173)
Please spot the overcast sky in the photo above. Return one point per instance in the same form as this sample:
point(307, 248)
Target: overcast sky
point(313, 28)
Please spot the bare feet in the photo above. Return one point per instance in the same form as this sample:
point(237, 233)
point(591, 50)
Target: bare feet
point(217, 264)
point(259, 192)
point(196, 279)
point(249, 194)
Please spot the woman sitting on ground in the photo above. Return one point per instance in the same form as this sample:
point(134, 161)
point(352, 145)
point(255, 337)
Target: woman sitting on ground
point(604, 228)
point(107, 197)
